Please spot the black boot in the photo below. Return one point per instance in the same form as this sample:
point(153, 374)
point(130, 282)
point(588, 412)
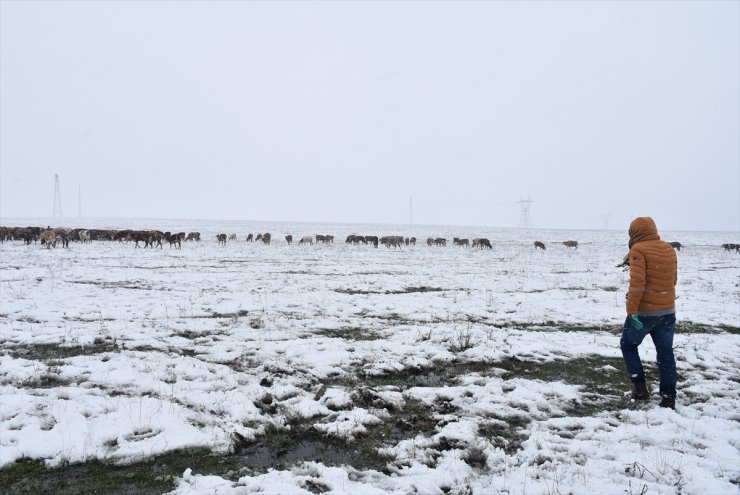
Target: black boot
point(669, 402)
point(640, 391)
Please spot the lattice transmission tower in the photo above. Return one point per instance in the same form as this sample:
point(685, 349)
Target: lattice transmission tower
point(525, 222)
point(57, 198)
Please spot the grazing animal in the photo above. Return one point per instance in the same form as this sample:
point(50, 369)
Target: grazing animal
point(221, 239)
point(731, 247)
point(49, 237)
point(676, 245)
point(570, 244)
point(371, 239)
point(440, 241)
point(84, 236)
point(391, 240)
point(539, 245)
point(63, 235)
point(431, 241)
point(232, 237)
point(460, 242)
point(324, 239)
point(193, 236)
point(289, 239)
point(266, 238)
point(173, 239)
point(138, 236)
point(356, 239)
point(122, 235)
point(482, 243)
point(413, 241)
point(306, 239)
point(258, 238)
point(156, 236)
point(250, 238)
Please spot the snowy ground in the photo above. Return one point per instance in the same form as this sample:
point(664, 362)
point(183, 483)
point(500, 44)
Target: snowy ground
point(429, 370)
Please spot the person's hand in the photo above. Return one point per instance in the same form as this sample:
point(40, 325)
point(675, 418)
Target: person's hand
point(636, 321)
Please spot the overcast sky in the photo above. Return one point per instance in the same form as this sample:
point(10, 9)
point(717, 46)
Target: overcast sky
point(342, 111)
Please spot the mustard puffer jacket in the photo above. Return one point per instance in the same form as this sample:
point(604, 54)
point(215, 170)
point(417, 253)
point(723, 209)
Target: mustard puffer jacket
point(653, 269)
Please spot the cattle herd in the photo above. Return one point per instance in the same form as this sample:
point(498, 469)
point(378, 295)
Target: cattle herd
point(49, 237)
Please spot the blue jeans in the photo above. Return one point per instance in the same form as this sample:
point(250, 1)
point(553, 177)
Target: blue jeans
point(661, 329)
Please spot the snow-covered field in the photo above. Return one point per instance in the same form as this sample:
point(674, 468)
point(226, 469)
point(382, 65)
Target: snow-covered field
point(418, 370)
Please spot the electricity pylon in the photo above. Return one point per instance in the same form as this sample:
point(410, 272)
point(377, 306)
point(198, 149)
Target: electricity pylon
point(57, 198)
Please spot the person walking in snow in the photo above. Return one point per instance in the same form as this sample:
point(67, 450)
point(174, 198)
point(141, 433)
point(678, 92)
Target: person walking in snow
point(651, 309)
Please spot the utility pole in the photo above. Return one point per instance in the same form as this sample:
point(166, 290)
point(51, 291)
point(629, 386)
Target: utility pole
point(57, 198)
point(524, 221)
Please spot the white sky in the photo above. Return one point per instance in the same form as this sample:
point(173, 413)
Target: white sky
point(329, 111)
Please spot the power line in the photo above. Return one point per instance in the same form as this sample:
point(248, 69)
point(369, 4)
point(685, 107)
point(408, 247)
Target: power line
point(304, 206)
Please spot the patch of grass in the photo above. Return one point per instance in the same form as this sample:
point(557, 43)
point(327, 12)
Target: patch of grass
point(348, 333)
point(152, 476)
point(405, 290)
point(216, 314)
point(123, 284)
point(691, 327)
point(506, 432)
point(603, 388)
point(43, 352)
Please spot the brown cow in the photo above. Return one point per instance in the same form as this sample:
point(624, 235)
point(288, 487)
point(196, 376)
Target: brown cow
point(156, 236)
point(266, 238)
point(173, 239)
point(221, 239)
point(289, 239)
point(570, 244)
point(539, 245)
point(138, 236)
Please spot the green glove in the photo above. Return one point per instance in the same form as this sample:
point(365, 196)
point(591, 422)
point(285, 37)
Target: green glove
point(636, 322)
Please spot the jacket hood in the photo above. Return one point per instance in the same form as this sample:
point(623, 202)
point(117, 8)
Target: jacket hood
point(643, 229)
